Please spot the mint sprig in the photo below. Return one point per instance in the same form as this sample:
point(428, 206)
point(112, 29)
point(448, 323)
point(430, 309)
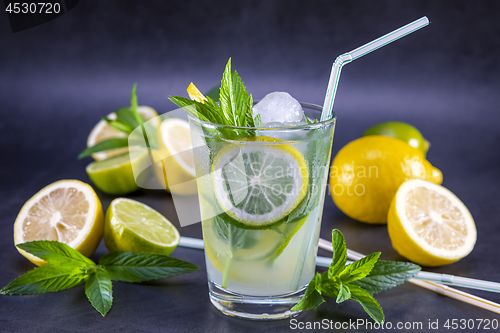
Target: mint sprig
point(67, 268)
point(235, 103)
point(357, 281)
point(127, 119)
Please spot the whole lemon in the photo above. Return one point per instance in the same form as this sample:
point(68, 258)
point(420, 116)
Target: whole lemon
point(367, 172)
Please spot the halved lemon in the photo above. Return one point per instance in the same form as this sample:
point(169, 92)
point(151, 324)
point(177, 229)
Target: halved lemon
point(67, 211)
point(174, 161)
point(134, 226)
point(429, 225)
point(103, 131)
point(260, 181)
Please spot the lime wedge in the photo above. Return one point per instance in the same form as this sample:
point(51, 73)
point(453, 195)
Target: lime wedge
point(133, 226)
point(114, 175)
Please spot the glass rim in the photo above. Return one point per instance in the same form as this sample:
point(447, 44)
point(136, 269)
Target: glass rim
point(319, 124)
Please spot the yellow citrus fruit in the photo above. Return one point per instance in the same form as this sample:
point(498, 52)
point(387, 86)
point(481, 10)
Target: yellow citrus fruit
point(429, 225)
point(67, 211)
point(260, 181)
point(103, 131)
point(134, 226)
point(173, 163)
point(367, 172)
point(115, 175)
point(401, 131)
point(195, 94)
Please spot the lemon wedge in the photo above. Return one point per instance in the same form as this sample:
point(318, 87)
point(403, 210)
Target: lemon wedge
point(67, 211)
point(429, 225)
point(195, 94)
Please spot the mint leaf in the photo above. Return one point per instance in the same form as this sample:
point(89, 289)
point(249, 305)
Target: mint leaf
point(344, 293)
point(55, 252)
point(99, 290)
point(360, 268)
point(133, 105)
point(127, 116)
point(368, 303)
point(47, 278)
point(119, 125)
point(205, 112)
point(312, 297)
point(386, 275)
point(257, 121)
point(138, 267)
point(213, 93)
point(235, 102)
point(339, 254)
point(329, 287)
point(104, 145)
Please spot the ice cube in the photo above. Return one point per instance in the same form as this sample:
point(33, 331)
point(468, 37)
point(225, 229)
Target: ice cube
point(278, 107)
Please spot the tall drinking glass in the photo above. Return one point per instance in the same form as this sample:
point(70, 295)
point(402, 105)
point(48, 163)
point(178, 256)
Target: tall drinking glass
point(261, 194)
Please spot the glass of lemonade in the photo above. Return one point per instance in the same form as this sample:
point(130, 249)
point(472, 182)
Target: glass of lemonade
point(261, 194)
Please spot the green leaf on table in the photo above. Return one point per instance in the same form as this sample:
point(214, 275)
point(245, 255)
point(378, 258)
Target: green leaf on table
point(360, 268)
point(55, 252)
point(344, 293)
point(357, 281)
point(108, 144)
point(47, 278)
point(339, 254)
point(119, 125)
point(368, 303)
point(386, 275)
point(138, 266)
point(312, 297)
point(99, 290)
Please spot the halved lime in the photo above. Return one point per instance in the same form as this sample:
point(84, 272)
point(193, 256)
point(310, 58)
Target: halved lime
point(134, 226)
point(114, 175)
point(259, 182)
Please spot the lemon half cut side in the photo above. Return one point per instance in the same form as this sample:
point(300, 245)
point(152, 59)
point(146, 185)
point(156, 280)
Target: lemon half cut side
point(67, 211)
point(429, 225)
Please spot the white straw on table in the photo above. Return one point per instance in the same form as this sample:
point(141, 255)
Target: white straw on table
point(436, 287)
point(359, 52)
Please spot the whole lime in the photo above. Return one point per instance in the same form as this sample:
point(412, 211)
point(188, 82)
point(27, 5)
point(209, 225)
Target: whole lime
point(401, 131)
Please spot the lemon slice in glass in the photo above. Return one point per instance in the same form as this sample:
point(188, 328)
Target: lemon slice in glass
point(429, 225)
point(67, 211)
point(259, 182)
point(134, 226)
point(103, 131)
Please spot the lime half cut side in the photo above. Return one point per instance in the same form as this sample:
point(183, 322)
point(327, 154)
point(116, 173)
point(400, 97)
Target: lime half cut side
point(134, 226)
point(259, 182)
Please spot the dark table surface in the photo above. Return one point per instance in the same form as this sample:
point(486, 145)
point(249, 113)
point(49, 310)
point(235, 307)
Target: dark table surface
point(57, 79)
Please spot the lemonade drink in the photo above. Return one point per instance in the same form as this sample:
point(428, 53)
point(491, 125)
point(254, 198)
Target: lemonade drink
point(261, 193)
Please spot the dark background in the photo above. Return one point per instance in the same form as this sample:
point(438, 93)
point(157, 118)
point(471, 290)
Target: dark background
point(58, 79)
